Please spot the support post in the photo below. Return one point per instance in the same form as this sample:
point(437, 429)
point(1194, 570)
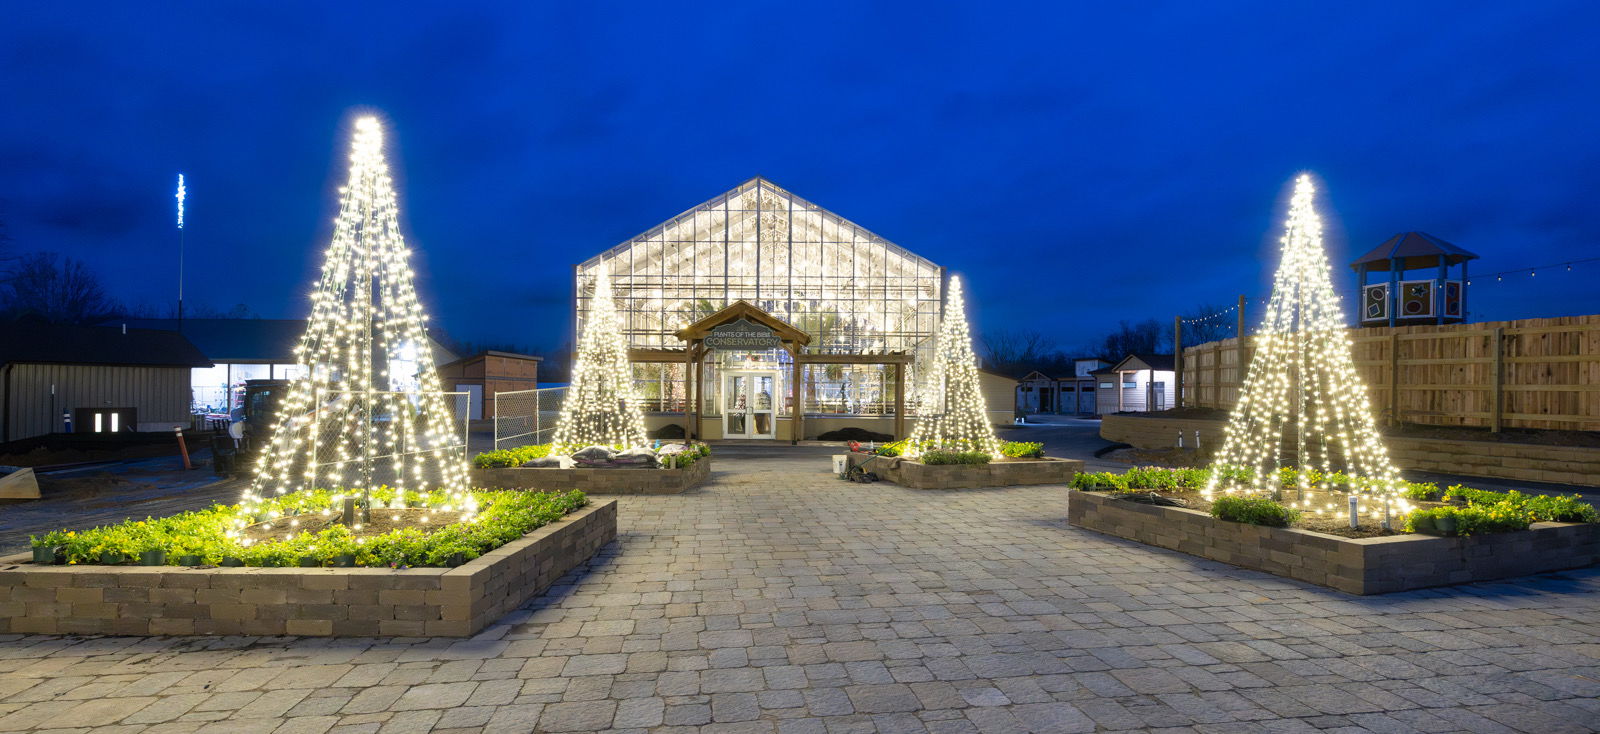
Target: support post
point(1394, 378)
point(1177, 361)
point(899, 402)
point(796, 423)
point(1438, 291)
point(1239, 330)
point(691, 418)
point(1497, 394)
point(1393, 296)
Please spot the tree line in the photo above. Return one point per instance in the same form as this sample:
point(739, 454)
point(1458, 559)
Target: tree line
point(1017, 351)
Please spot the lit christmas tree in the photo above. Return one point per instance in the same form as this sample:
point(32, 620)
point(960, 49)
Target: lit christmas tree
point(368, 409)
point(961, 423)
point(601, 408)
point(1302, 395)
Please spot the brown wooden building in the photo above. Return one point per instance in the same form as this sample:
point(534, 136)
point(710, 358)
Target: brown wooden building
point(486, 374)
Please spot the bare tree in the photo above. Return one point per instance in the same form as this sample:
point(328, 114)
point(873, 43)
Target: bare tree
point(1007, 349)
point(1145, 337)
point(55, 288)
point(1207, 322)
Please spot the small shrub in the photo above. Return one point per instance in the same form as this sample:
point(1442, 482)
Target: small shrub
point(896, 448)
point(1099, 481)
point(1560, 508)
point(1469, 520)
point(1022, 449)
point(1254, 511)
point(942, 458)
point(1423, 491)
point(510, 457)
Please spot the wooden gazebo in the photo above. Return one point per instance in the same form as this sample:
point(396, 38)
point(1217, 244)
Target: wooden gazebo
point(704, 337)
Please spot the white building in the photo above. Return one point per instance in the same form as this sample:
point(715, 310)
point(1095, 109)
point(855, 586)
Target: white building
point(1136, 383)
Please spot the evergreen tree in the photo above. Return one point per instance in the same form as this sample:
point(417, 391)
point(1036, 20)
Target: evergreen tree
point(602, 407)
point(1302, 397)
point(368, 410)
point(961, 422)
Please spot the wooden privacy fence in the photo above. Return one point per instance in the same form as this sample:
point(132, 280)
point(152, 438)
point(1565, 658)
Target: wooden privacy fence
point(1532, 373)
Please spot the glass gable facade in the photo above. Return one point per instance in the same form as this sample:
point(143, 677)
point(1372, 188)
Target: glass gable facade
point(852, 291)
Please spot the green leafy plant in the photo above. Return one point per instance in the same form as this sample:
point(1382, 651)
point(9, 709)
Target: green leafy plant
point(502, 517)
point(510, 457)
point(1253, 510)
point(1022, 449)
point(940, 458)
point(1469, 520)
point(1423, 491)
point(1099, 481)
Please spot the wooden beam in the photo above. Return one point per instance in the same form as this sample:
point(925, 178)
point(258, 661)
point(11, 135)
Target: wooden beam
point(1497, 343)
point(1394, 379)
point(889, 358)
point(796, 423)
point(1177, 360)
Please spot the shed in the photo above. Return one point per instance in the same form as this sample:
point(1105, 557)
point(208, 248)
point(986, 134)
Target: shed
point(489, 373)
point(1137, 382)
point(104, 379)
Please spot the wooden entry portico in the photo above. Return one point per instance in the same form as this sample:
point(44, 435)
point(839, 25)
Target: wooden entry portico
point(792, 340)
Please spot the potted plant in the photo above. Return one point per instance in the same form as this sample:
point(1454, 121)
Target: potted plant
point(153, 557)
point(310, 562)
point(191, 559)
point(231, 562)
point(344, 560)
point(1446, 524)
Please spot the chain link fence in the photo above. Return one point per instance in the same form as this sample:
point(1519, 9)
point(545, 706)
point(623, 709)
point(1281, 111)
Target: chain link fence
point(524, 417)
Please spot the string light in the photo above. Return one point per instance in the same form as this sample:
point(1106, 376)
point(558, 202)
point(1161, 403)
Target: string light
point(364, 309)
point(1302, 389)
point(182, 193)
point(963, 422)
point(602, 407)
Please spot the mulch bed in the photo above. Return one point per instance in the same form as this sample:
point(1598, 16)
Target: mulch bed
point(381, 521)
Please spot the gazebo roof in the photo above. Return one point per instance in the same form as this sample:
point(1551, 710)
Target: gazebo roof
point(1413, 250)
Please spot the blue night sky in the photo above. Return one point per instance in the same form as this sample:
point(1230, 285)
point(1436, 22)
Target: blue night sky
point(1079, 164)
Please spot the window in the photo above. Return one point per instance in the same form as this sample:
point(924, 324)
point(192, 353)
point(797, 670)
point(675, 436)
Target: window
point(1106, 386)
point(1129, 385)
point(659, 386)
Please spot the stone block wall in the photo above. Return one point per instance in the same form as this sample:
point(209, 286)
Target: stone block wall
point(1527, 462)
point(416, 602)
point(916, 475)
point(1354, 565)
point(594, 481)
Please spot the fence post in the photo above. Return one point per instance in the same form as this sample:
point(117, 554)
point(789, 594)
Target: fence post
point(1497, 394)
point(1177, 360)
point(1394, 378)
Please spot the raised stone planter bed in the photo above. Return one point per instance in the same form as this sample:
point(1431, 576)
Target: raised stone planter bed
point(594, 481)
point(916, 475)
point(340, 602)
point(1519, 461)
point(1358, 566)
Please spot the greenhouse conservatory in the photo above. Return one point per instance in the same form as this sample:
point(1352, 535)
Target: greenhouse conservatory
point(723, 302)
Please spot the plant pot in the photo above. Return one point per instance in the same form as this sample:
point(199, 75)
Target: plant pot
point(455, 559)
point(231, 562)
point(111, 558)
point(310, 562)
point(1424, 525)
point(1445, 524)
point(190, 559)
point(344, 560)
point(44, 556)
point(156, 557)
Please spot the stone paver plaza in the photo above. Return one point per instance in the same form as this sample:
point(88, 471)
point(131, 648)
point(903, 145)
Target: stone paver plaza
point(778, 599)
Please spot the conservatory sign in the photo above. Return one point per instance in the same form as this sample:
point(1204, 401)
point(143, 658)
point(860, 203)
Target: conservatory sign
point(742, 335)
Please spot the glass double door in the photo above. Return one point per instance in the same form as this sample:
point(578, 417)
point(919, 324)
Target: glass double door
point(748, 400)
